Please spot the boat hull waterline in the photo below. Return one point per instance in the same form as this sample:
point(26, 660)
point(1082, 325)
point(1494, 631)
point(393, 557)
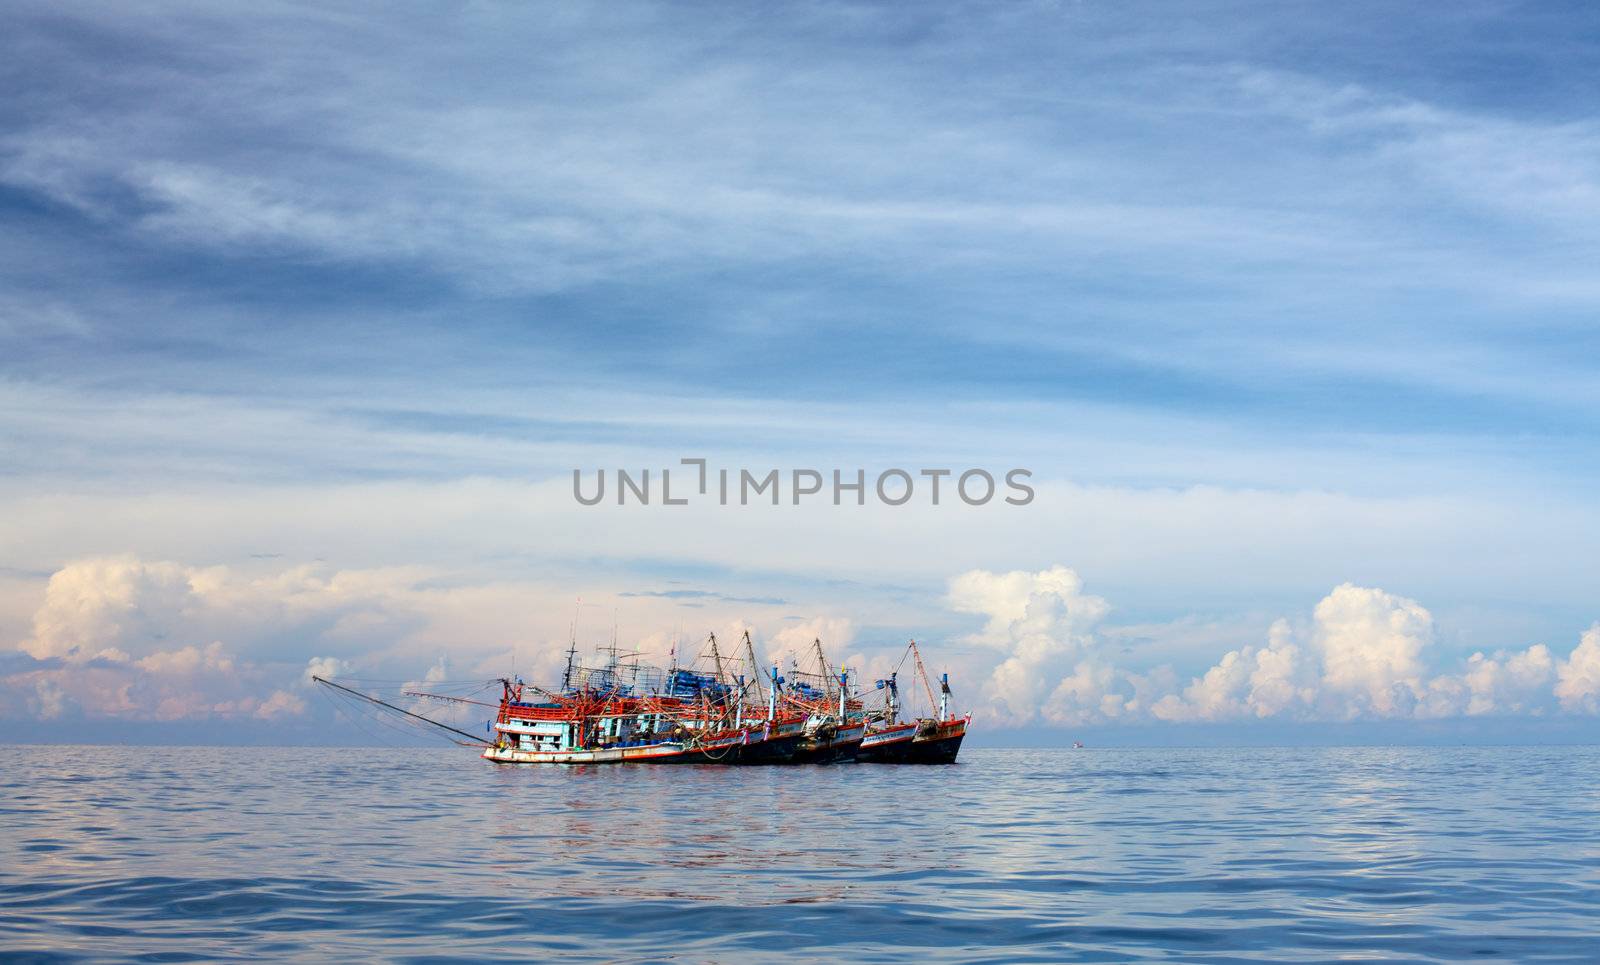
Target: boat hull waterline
point(731, 750)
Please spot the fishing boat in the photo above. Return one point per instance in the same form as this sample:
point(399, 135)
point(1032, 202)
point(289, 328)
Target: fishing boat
point(834, 727)
point(937, 741)
point(626, 712)
point(784, 727)
point(887, 744)
point(925, 740)
point(688, 718)
point(887, 739)
point(601, 728)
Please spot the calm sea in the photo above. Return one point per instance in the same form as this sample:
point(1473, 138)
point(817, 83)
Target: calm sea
point(1011, 855)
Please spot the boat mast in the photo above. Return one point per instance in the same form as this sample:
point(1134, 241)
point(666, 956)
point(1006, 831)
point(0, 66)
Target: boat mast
point(755, 668)
point(822, 660)
point(922, 672)
point(716, 658)
point(611, 664)
point(721, 678)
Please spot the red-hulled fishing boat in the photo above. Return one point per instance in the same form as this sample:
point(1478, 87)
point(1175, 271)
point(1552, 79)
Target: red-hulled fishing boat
point(606, 716)
point(925, 740)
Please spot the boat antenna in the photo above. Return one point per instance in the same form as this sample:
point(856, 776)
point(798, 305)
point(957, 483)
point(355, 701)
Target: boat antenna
point(572, 649)
point(611, 661)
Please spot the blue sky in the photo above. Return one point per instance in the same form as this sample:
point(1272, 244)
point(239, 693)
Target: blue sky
point(1271, 299)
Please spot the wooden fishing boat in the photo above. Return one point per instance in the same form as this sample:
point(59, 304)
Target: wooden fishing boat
point(834, 727)
point(828, 741)
point(609, 728)
point(937, 741)
point(604, 716)
point(925, 740)
point(887, 743)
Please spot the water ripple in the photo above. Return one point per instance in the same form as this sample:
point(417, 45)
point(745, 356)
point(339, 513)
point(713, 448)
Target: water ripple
point(1101, 855)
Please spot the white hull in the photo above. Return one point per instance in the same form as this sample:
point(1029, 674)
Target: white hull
point(667, 752)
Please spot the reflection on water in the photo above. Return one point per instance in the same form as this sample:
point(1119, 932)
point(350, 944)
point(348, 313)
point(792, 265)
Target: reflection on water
point(1408, 854)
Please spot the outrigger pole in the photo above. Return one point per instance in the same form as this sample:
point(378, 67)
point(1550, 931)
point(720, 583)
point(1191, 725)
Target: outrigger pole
point(381, 703)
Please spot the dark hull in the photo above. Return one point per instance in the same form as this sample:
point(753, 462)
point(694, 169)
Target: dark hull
point(775, 750)
point(886, 752)
point(723, 755)
point(825, 752)
point(939, 751)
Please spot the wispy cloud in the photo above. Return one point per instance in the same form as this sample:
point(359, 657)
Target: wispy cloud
point(1270, 302)
point(705, 595)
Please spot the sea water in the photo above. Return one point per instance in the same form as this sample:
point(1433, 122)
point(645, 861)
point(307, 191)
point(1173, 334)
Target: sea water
point(1100, 854)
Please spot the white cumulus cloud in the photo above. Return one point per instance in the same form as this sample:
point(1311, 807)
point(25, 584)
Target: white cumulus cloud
point(280, 704)
point(122, 636)
point(1371, 643)
point(1578, 685)
point(1249, 682)
point(1043, 622)
point(324, 667)
point(1366, 653)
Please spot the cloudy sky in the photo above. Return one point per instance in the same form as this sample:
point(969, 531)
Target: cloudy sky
point(307, 317)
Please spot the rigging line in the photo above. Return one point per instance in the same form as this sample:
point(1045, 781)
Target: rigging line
point(342, 708)
point(472, 737)
point(383, 721)
point(447, 697)
point(408, 730)
point(402, 725)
